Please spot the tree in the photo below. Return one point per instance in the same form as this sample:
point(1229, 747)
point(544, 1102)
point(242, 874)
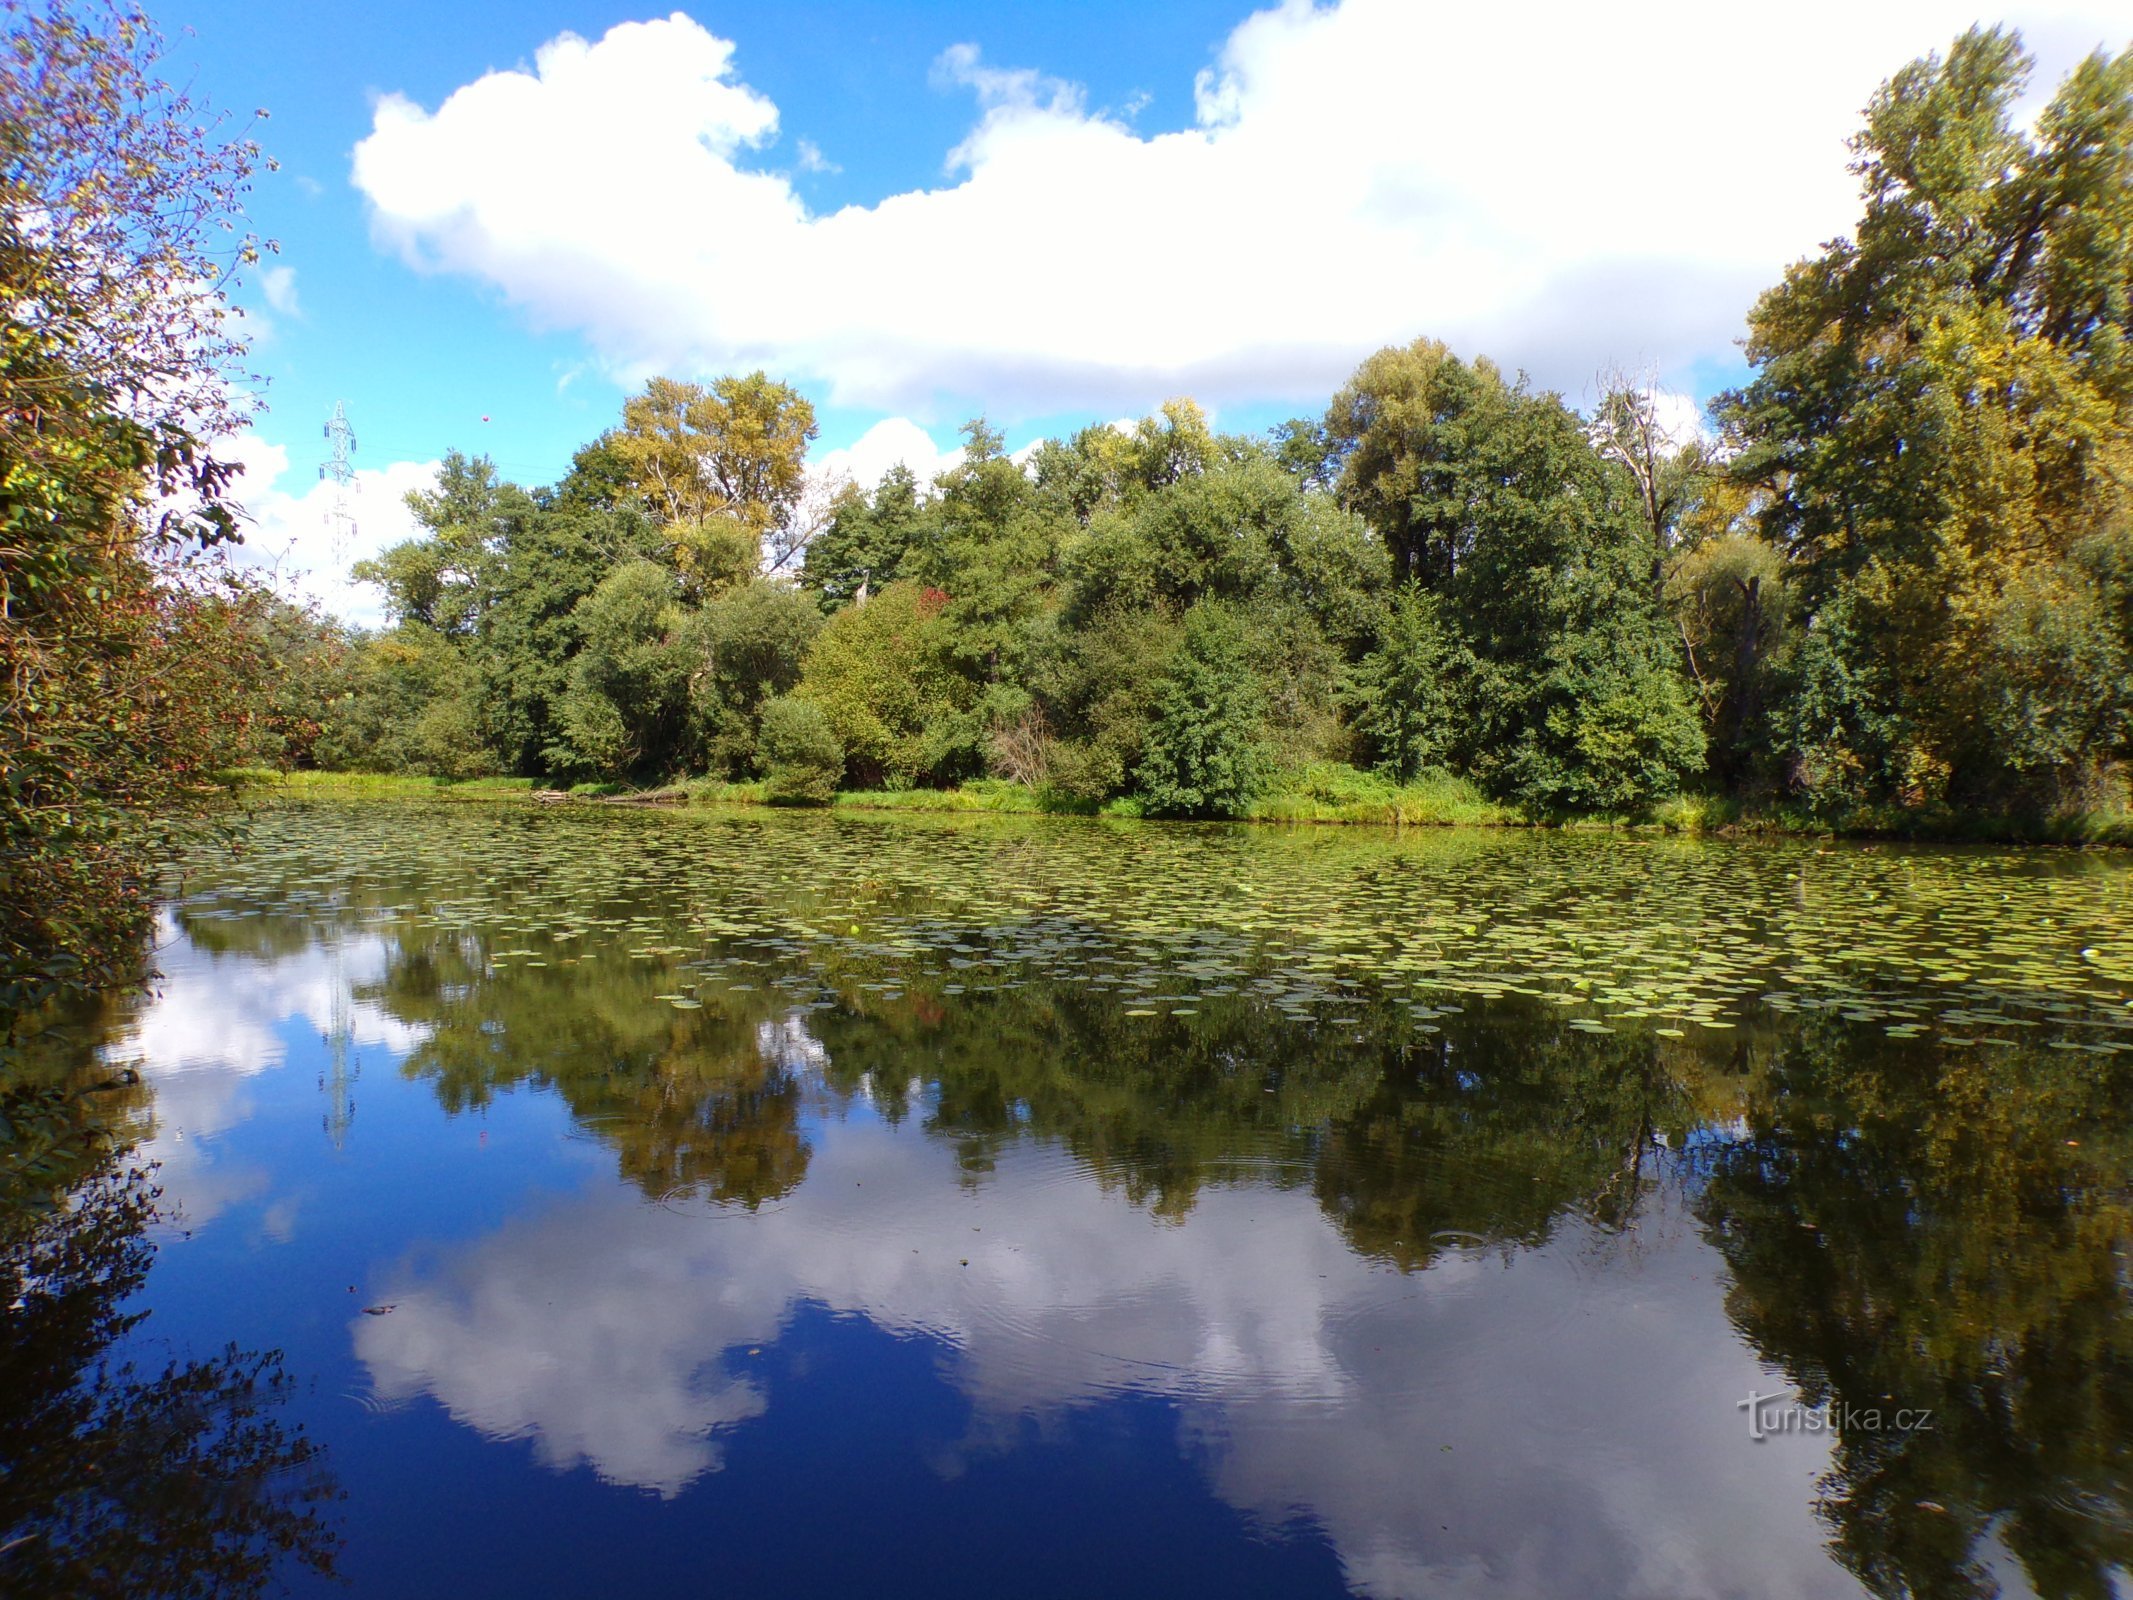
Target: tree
point(1728, 597)
point(438, 578)
point(734, 452)
point(625, 710)
point(867, 541)
point(121, 209)
point(1942, 410)
point(1203, 756)
point(546, 562)
point(128, 652)
point(748, 646)
point(884, 677)
point(1404, 695)
point(803, 759)
point(1668, 473)
point(990, 546)
point(1496, 500)
point(1422, 454)
point(1097, 686)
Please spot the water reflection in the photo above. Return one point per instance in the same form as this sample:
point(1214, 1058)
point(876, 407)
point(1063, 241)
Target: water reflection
point(1465, 1270)
point(124, 1473)
point(1441, 1427)
point(1947, 1229)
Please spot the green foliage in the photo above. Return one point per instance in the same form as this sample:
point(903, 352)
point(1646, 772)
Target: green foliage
point(1898, 587)
point(1099, 683)
point(1328, 791)
point(883, 674)
point(132, 659)
point(437, 579)
point(802, 757)
point(865, 545)
point(1728, 597)
point(625, 709)
point(1942, 411)
point(550, 558)
point(2056, 673)
point(410, 704)
point(1404, 694)
point(750, 643)
point(1615, 732)
point(1542, 663)
point(1203, 755)
point(1438, 456)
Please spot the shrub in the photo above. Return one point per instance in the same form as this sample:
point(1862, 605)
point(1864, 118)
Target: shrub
point(900, 711)
point(1203, 756)
point(802, 755)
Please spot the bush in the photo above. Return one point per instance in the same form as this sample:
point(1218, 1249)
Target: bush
point(899, 709)
point(802, 755)
point(1203, 756)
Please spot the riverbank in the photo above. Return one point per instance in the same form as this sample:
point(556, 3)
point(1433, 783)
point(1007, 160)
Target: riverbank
point(1320, 796)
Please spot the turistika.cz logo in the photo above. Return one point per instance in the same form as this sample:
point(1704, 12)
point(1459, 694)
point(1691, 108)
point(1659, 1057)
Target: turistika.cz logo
point(1782, 1413)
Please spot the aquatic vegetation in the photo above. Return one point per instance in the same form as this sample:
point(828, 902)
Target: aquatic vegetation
point(1964, 946)
point(1876, 1095)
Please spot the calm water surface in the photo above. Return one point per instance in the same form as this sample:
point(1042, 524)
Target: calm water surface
point(580, 1202)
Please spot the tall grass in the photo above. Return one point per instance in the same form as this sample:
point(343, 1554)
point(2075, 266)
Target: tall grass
point(373, 785)
point(1327, 791)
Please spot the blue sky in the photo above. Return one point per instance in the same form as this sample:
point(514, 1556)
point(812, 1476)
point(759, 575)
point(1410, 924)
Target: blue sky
point(1051, 213)
point(422, 358)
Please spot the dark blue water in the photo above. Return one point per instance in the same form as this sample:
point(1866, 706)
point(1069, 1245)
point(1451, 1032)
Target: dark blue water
point(848, 1272)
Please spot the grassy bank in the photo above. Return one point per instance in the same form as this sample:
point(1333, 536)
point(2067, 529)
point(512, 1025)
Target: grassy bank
point(1721, 816)
point(1321, 794)
point(375, 785)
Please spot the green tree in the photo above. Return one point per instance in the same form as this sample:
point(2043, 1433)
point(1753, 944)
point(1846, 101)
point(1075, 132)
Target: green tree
point(1097, 686)
point(867, 542)
point(802, 757)
point(1942, 410)
point(439, 578)
point(549, 559)
point(1404, 695)
point(1495, 500)
point(129, 654)
point(1203, 755)
point(885, 676)
point(749, 645)
point(626, 709)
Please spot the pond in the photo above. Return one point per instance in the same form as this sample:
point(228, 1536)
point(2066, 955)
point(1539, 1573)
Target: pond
point(583, 1201)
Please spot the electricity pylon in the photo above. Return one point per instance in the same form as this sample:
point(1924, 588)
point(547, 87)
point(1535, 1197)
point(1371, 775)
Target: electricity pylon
point(340, 472)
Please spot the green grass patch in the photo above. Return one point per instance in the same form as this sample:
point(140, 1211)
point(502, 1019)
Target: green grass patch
point(718, 792)
point(980, 794)
point(1320, 792)
point(1720, 814)
point(373, 785)
point(1328, 791)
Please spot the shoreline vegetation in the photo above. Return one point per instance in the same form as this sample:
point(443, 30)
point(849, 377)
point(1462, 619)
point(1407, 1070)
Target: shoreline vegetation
point(1882, 588)
point(1323, 799)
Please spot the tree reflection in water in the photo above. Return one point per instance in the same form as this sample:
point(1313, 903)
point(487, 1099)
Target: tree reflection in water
point(1904, 1222)
point(117, 1480)
point(1911, 1226)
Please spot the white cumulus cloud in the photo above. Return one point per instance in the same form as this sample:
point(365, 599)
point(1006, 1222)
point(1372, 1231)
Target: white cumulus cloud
point(290, 534)
point(887, 443)
point(1562, 186)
